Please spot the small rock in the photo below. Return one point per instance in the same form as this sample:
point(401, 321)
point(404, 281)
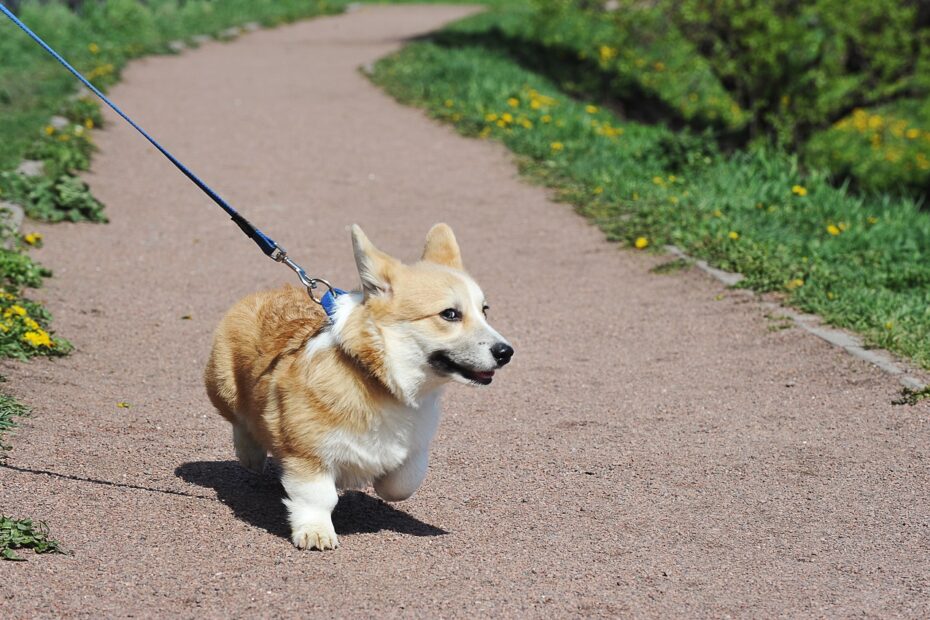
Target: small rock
point(612, 5)
point(251, 26)
point(31, 168)
point(59, 122)
point(177, 46)
point(200, 39)
point(231, 33)
point(11, 218)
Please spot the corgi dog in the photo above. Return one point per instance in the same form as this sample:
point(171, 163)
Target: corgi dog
point(352, 399)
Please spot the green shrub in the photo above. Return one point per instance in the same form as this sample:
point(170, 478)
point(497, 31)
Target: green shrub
point(633, 56)
point(884, 149)
point(797, 67)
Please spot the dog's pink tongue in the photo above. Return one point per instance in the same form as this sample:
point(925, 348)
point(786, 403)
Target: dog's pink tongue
point(487, 374)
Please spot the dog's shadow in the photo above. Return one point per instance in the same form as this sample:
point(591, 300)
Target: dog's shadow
point(256, 499)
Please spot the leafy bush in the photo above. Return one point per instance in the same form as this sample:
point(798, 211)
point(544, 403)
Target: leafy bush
point(632, 56)
point(884, 149)
point(764, 72)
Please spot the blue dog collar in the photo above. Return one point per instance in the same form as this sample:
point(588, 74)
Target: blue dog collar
point(328, 301)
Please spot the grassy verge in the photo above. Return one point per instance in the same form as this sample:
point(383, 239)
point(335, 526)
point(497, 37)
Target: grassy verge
point(861, 263)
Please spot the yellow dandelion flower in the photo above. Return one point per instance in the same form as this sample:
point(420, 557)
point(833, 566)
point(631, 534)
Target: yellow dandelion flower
point(598, 190)
point(32, 238)
point(733, 235)
point(527, 123)
point(490, 117)
point(16, 310)
point(93, 48)
point(833, 230)
point(49, 130)
point(793, 284)
point(535, 104)
point(507, 117)
point(606, 52)
point(799, 190)
point(38, 338)
point(641, 243)
point(912, 134)
point(557, 146)
point(872, 219)
point(546, 119)
point(889, 325)
point(89, 123)
point(513, 102)
point(448, 103)
point(591, 109)
point(30, 323)
point(501, 123)
point(831, 296)
point(658, 180)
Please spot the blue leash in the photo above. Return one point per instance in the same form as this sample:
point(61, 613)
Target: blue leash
point(264, 242)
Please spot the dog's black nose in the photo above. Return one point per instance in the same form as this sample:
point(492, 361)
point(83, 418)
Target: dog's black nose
point(502, 352)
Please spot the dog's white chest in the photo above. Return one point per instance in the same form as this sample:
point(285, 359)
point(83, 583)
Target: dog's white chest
point(359, 458)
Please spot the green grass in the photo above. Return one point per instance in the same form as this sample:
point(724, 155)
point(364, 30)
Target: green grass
point(861, 263)
point(25, 534)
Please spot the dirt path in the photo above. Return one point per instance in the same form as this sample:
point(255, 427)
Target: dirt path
point(653, 450)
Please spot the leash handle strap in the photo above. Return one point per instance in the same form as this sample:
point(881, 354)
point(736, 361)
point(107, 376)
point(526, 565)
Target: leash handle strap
point(267, 245)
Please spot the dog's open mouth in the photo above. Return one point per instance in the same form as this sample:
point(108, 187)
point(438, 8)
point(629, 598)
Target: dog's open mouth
point(444, 364)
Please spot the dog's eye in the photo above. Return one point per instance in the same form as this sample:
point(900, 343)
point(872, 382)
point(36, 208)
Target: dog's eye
point(451, 314)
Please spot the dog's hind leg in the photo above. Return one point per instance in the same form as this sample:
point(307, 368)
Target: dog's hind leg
point(249, 451)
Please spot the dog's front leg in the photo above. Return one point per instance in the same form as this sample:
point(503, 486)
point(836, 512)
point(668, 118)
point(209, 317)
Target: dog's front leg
point(310, 503)
point(401, 483)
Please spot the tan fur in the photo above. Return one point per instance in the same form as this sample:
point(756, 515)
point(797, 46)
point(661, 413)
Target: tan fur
point(256, 376)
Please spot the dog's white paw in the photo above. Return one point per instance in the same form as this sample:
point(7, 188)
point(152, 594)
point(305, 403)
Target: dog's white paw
point(316, 535)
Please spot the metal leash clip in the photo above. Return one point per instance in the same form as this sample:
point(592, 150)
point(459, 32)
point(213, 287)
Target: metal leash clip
point(280, 256)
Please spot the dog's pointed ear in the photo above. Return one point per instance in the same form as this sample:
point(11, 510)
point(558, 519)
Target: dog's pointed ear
point(442, 248)
point(374, 266)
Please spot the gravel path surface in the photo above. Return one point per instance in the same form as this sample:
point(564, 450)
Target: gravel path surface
point(654, 448)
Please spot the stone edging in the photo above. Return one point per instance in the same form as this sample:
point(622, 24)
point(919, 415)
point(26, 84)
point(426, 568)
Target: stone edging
point(811, 323)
